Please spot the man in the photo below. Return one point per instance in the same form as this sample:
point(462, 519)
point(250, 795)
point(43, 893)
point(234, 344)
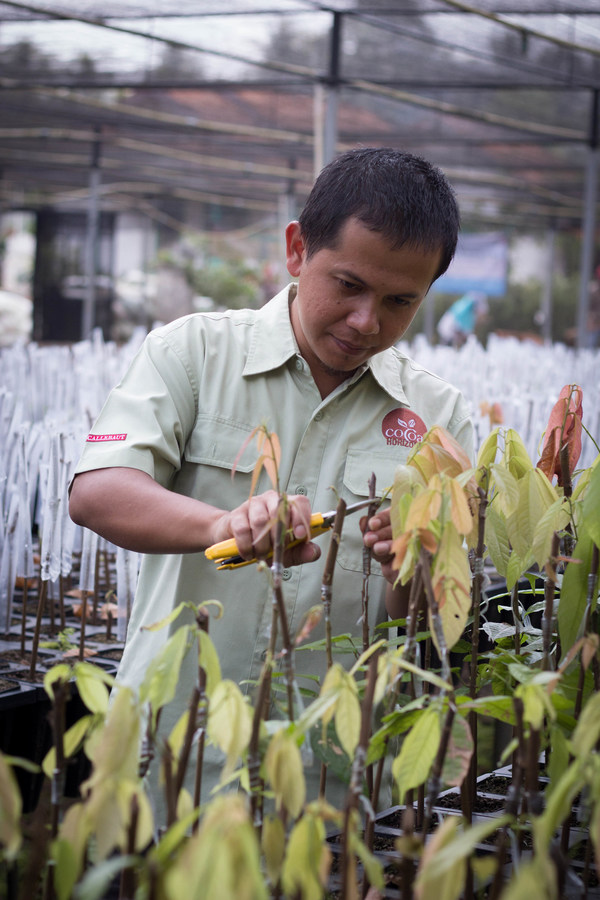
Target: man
point(317, 364)
point(462, 318)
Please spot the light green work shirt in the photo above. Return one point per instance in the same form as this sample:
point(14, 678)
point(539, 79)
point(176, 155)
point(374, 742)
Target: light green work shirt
point(189, 401)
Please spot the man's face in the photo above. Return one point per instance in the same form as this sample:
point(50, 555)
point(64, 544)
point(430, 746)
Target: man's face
point(355, 299)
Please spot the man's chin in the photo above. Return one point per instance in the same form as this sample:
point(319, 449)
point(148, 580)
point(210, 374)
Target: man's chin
point(335, 372)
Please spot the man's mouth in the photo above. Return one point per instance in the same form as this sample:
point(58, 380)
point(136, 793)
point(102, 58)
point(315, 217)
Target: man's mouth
point(352, 349)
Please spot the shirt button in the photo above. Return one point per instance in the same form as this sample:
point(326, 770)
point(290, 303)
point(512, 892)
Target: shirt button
point(319, 416)
point(300, 489)
point(299, 364)
point(286, 574)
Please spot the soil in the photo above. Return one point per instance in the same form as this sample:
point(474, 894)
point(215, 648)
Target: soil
point(25, 675)
point(112, 654)
point(494, 784)
point(481, 804)
point(7, 685)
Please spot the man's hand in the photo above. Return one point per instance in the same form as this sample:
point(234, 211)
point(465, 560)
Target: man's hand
point(129, 508)
point(253, 525)
point(378, 538)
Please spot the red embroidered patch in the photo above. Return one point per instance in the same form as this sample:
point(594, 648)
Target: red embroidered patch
point(403, 428)
point(98, 438)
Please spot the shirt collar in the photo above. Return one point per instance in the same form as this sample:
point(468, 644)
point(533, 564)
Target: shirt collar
point(273, 343)
point(385, 369)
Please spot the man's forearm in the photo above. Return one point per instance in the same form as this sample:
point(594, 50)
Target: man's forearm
point(127, 507)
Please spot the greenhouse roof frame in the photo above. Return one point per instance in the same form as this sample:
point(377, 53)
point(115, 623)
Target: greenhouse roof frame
point(475, 119)
point(504, 97)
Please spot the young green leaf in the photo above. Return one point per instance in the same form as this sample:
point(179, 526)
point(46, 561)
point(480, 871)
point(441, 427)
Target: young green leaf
point(307, 860)
point(72, 741)
point(451, 580)
point(229, 723)
point(574, 592)
point(459, 754)
point(412, 766)
point(162, 675)
point(283, 766)
point(11, 836)
point(273, 842)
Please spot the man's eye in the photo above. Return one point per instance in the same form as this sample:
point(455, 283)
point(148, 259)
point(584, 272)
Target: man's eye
point(400, 301)
point(347, 285)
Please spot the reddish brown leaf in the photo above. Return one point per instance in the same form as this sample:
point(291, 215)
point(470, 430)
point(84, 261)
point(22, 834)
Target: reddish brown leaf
point(564, 429)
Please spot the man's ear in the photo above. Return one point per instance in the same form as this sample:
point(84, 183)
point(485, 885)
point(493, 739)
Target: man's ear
point(294, 248)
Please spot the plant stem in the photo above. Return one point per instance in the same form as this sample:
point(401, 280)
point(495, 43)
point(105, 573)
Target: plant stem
point(256, 782)
point(366, 557)
point(61, 602)
point(128, 880)
point(58, 774)
point(24, 614)
point(549, 592)
point(38, 625)
point(167, 765)
point(435, 618)
point(84, 598)
point(358, 771)
point(95, 593)
point(591, 594)
point(514, 602)
point(328, 571)
point(436, 771)
point(478, 564)
point(190, 730)
point(202, 620)
point(287, 651)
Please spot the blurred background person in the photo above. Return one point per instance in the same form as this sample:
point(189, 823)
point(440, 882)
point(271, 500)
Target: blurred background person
point(462, 318)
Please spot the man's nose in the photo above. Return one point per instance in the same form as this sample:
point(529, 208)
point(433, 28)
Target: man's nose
point(364, 317)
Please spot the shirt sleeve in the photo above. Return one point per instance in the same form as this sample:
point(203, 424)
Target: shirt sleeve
point(460, 427)
point(147, 417)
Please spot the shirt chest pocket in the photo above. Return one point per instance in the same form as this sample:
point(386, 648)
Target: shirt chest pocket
point(358, 468)
point(214, 448)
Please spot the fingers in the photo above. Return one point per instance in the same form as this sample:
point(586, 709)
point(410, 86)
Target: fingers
point(306, 552)
point(377, 536)
point(254, 527)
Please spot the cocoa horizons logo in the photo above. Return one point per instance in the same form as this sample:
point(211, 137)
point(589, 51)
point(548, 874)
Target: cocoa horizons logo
point(403, 428)
point(98, 438)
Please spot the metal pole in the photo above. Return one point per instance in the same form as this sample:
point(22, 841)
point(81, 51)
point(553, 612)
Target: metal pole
point(589, 227)
point(546, 307)
point(326, 101)
point(91, 240)
point(429, 317)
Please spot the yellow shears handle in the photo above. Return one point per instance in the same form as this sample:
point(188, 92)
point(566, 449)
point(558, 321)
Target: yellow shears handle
point(227, 555)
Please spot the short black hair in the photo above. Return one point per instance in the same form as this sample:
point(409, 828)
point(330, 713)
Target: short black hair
point(402, 196)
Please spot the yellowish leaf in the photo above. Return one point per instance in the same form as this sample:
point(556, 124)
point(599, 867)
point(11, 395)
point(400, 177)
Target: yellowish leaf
point(591, 643)
point(412, 766)
point(283, 765)
point(332, 684)
point(229, 723)
point(270, 450)
point(451, 579)
point(114, 749)
point(307, 860)
point(208, 658)
point(460, 511)
point(460, 752)
point(11, 837)
point(440, 885)
point(347, 715)
point(273, 846)
point(423, 509)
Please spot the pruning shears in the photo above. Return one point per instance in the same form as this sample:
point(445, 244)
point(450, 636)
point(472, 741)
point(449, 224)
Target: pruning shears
point(226, 555)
